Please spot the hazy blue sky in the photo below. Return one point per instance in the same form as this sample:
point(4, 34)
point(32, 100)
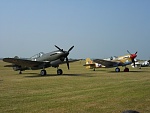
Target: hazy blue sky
point(97, 28)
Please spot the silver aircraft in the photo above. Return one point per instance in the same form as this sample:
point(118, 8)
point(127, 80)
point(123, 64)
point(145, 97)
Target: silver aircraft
point(41, 61)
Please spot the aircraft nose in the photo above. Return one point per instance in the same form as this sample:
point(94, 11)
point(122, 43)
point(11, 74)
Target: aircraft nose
point(65, 54)
point(133, 56)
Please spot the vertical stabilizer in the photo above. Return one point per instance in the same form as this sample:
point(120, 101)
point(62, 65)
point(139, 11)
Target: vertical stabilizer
point(89, 61)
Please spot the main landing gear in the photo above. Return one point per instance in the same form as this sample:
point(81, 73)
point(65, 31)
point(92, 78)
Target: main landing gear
point(59, 72)
point(117, 69)
point(125, 70)
point(43, 72)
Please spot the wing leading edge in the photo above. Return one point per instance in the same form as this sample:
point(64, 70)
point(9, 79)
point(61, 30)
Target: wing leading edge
point(23, 62)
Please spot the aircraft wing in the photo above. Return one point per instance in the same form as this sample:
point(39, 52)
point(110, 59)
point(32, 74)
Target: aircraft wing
point(89, 65)
point(23, 62)
point(106, 63)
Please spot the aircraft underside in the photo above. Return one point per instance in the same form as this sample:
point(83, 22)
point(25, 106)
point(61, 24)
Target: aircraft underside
point(43, 72)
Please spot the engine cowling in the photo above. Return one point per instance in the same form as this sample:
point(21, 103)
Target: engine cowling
point(56, 63)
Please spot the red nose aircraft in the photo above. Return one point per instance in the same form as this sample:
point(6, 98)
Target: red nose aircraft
point(112, 62)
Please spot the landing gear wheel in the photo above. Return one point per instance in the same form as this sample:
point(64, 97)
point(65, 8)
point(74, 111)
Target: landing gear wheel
point(43, 72)
point(59, 72)
point(117, 69)
point(126, 69)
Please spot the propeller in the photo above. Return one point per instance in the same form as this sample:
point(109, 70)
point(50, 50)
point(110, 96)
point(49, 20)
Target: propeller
point(70, 48)
point(133, 61)
point(67, 57)
point(129, 52)
point(133, 56)
point(59, 48)
point(67, 62)
point(67, 53)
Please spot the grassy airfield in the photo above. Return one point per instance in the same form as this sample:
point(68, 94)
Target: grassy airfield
point(79, 90)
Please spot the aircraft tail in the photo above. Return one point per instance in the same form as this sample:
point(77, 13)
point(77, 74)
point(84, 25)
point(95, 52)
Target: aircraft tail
point(89, 63)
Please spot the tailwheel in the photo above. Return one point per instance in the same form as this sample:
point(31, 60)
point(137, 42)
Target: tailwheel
point(20, 72)
point(43, 72)
point(117, 69)
point(59, 72)
point(126, 69)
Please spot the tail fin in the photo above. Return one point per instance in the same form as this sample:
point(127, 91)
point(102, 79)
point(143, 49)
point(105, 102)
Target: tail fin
point(89, 61)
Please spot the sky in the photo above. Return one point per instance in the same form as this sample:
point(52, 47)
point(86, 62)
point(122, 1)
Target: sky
point(97, 28)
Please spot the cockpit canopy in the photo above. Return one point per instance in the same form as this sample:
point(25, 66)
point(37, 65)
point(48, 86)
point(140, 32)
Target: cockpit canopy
point(37, 56)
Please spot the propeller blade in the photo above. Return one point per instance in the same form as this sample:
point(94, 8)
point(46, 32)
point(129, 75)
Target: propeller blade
point(67, 62)
point(129, 52)
point(70, 48)
point(135, 52)
point(133, 61)
point(59, 48)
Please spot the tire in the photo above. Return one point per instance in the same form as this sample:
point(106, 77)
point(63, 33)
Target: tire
point(117, 69)
point(43, 72)
point(59, 72)
point(126, 69)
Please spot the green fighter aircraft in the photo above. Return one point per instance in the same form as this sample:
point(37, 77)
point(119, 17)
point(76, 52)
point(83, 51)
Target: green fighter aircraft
point(41, 61)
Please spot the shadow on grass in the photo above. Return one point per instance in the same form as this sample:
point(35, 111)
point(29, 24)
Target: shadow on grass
point(33, 75)
point(127, 72)
point(98, 70)
point(113, 71)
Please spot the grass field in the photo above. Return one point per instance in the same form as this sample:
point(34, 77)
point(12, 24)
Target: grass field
point(79, 90)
